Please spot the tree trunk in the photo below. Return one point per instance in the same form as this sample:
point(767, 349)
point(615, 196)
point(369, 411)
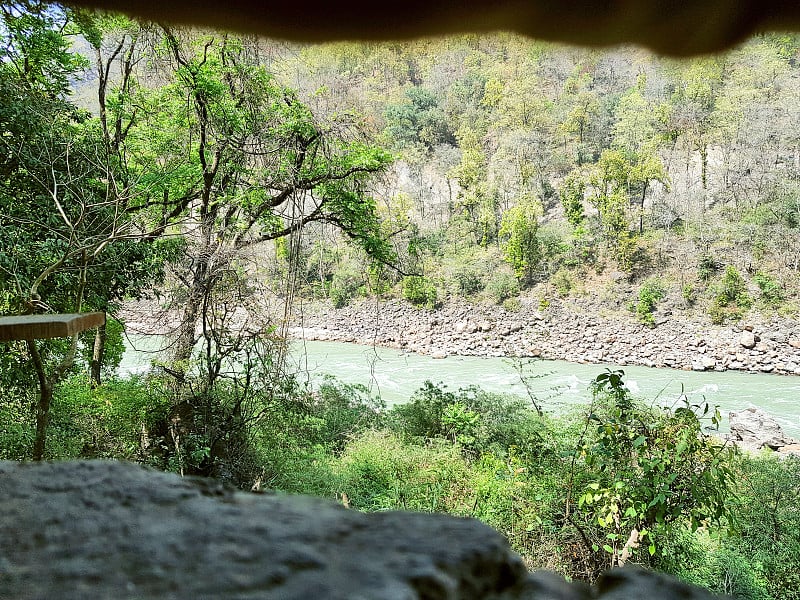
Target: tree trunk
point(187, 336)
point(98, 352)
point(42, 419)
point(43, 405)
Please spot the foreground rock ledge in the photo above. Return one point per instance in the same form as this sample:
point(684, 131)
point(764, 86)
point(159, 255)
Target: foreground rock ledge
point(101, 529)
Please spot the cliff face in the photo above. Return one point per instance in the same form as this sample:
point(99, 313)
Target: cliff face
point(116, 530)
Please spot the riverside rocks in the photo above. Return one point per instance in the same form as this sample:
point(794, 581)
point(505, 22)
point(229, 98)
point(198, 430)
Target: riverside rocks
point(573, 329)
point(752, 429)
point(113, 530)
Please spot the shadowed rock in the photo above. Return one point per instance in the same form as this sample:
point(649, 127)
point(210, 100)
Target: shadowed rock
point(102, 529)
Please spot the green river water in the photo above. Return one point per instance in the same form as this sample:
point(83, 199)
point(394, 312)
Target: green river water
point(556, 384)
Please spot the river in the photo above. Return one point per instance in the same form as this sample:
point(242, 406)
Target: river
point(394, 375)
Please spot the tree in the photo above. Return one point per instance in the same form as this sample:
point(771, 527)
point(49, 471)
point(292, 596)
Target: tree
point(518, 237)
point(250, 163)
point(67, 245)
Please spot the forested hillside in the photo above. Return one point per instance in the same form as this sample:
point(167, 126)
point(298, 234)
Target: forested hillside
point(521, 163)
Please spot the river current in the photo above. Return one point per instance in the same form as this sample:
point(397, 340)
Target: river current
point(555, 385)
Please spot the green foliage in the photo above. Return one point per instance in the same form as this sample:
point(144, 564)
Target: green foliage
point(518, 238)
point(572, 194)
point(772, 294)
point(119, 419)
point(512, 304)
point(420, 291)
point(707, 267)
point(477, 420)
point(344, 286)
point(689, 294)
point(502, 286)
point(768, 524)
point(418, 120)
point(650, 292)
point(649, 468)
point(730, 297)
point(562, 281)
point(378, 471)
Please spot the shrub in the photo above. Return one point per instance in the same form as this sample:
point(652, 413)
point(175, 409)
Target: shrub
point(562, 280)
point(647, 468)
point(502, 286)
point(378, 471)
point(650, 293)
point(707, 267)
point(468, 281)
point(344, 411)
point(419, 290)
point(344, 286)
point(771, 290)
point(730, 298)
point(689, 294)
point(118, 419)
point(512, 304)
point(768, 522)
point(479, 421)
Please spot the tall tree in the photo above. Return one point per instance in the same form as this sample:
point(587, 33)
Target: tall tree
point(255, 164)
point(67, 246)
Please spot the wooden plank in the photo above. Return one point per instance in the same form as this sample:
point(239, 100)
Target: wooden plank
point(34, 327)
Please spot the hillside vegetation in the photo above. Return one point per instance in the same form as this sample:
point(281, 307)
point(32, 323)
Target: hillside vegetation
point(522, 164)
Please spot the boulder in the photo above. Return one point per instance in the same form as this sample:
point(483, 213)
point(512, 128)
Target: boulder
point(747, 339)
point(790, 450)
point(103, 529)
point(753, 429)
point(115, 530)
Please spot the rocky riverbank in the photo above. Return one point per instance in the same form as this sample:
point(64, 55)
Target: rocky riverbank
point(572, 329)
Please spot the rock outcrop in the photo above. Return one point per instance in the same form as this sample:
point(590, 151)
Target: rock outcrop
point(103, 529)
point(752, 429)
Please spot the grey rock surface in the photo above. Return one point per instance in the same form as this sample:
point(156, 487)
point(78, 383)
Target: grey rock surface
point(102, 529)
point(753, 429)
point(747, 339)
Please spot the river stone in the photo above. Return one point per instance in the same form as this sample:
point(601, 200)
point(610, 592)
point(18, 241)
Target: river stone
point(753, 429)
point(112, 530)
point(747, 339)
point(790, 450)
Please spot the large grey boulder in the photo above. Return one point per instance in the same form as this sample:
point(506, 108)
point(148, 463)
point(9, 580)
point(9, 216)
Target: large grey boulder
point(753, 429)
point(115, 530)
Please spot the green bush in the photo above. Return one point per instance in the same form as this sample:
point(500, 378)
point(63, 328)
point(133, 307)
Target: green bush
point(345, 410)
point(730, 298)
point(689, 294)
point(344, 286)
point(17, 428)
point(502, 286)
point(512, 304)
point(707, 267)
point(115, 420)
point(419, 290)
point(478, 420)
point(650, 293)
point(468, 281)
point(378, 471)
point(771, 290)
point(562, 280)
point(647, 468)
point(767, 522)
